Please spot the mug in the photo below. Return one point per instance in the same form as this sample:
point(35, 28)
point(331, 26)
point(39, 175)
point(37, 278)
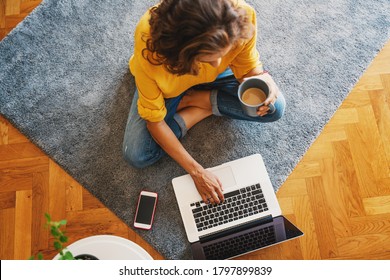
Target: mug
point(252, 93)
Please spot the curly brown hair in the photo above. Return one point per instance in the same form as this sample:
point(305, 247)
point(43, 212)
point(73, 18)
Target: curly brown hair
point(181, 30)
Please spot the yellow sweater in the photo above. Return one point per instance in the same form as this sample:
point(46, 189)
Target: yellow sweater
point(155, 83)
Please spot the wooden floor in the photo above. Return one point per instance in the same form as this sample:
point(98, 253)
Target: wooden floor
point(339, 194)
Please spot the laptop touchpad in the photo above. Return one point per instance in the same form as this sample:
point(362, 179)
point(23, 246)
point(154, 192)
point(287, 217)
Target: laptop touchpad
point(226, 176)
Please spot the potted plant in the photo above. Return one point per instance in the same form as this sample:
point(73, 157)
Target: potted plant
point(104, 247)
point(59, 242)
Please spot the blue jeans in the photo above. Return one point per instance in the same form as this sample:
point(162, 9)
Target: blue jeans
point(140, 149)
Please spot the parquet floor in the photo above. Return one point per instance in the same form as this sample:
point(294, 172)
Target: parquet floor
point(339, 194)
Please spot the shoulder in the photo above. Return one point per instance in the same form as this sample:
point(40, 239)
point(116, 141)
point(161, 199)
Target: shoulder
point(142, 29)
point(142, 32)
point(243, 4)
point(250, 11)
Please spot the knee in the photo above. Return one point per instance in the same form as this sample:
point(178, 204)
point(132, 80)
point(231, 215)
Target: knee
point(135, 158)
point(277, 115)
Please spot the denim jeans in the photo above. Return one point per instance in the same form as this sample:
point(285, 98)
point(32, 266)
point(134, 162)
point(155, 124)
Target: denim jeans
point(140, 149)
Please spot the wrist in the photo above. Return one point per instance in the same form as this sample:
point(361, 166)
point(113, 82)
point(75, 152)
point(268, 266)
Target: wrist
point(254, 73)
point(262, 73)
point(197, 172)
point(195, 169)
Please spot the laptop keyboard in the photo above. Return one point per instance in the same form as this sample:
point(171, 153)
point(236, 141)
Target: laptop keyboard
point(240, 244)
point(238, 204)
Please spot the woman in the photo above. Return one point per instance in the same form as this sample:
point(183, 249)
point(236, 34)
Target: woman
point(189, 58)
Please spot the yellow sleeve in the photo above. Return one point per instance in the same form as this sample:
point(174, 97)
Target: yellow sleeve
point(151, 103)
point(249, 57)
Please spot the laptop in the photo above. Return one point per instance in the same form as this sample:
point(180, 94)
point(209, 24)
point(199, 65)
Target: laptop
point(249, 219)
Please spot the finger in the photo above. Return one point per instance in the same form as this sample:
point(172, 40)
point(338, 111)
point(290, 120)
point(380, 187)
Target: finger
point(220, 184)
point(205, 198)
point(214, 198)
point(263, 110)
point(220, 194)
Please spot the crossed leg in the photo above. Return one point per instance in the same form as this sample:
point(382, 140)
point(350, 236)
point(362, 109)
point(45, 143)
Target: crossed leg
point(194, 107)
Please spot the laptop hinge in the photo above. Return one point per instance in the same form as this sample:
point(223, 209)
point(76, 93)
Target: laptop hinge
point(235, 229)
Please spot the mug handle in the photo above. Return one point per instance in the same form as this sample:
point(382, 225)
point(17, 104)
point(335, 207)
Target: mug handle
point(272, 108)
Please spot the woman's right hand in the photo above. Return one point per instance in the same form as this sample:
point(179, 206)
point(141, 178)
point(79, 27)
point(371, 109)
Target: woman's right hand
point(209, 186)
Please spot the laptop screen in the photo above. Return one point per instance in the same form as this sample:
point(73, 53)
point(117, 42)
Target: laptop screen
point(254, 238)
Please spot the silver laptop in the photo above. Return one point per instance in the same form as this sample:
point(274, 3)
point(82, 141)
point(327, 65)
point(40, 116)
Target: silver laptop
point(249, 219)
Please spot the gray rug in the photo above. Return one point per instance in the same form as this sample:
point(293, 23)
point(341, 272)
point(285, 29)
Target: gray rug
point(65, 84)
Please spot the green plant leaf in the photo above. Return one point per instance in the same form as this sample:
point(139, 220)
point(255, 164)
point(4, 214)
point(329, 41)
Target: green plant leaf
point(63, 239)
point(57, 245)
point(68, 256)
point(48, 218)
point(54, 231)
point(39, 257)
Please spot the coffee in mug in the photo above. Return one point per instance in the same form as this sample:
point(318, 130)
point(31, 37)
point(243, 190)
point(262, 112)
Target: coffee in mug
point(253, 96)
point(252, 93)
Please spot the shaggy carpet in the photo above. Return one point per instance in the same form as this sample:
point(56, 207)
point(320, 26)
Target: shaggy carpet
point(65, 83)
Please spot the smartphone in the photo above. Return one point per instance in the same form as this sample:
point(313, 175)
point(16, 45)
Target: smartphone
point(146, 207)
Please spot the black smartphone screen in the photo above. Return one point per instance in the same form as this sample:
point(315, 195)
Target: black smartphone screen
point(145, 210)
